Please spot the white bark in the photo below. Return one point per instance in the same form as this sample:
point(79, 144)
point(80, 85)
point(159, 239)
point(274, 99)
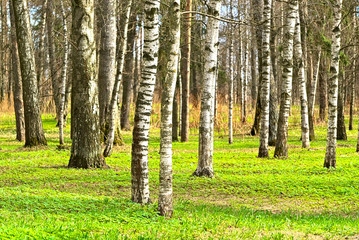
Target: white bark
point(165, 189)
point(116, 88)
point(302, 84)
point(231, 80)
point(281, 148)
point(330, 155)
point(139, 162)
point(205, 156)
point(266, 74)
point(62, 85)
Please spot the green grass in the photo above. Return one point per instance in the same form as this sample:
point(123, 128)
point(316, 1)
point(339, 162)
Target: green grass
point(249, 198)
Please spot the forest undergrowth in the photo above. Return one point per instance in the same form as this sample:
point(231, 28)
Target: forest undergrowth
point(249, 198)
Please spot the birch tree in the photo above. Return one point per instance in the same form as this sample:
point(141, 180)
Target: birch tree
point(266, 74)
point(62, 84)
point(86, 142)
point(107, 58)
point(231, 80)
point(205, 153)
point(140, 192)
point(165, 200)
point(299, 57)
point(330, 155)
point(116, 88)
point(281, 148)
point(34, 133)
point(313, 90)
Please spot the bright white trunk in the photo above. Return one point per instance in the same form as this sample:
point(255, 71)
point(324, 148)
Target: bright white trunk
point(165, 200)
point(205, 156)
point(266, 74)
point(302, 84)
point(231, 82)
point(139, 162)
point(62, 85)
point(116, 88)
point(281, 148)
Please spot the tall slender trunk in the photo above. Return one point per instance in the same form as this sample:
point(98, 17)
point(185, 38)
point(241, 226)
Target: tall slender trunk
point(175, 114)
point(322, 90)
point(4, 49)
point(140, 191)
point(165, 201)
point(17, 88)
point(352, 89)
point(281, 148)
point(107, 59)
point(128, 73)
point(313, 91)
point(273, 102)
point(299, 56)
point(41, 52)
point(330, 155)
point(138, 59)
point(266, 74)
point(86, 138)
point(257, 7)
point(116, 88)
point(205, 153)
point(34, 133)
point(62, 83)
point(51, 49)
point(186, 72)
point(231, 80)
point(341, 129)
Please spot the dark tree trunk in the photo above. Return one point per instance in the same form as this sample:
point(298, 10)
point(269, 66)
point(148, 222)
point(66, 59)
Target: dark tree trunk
point(322, 91)
point(175, 114)
point(34, 133)
point(341, 129)
point(128, 75)
point(86, 142)
point(186, 70)
point(17, 88)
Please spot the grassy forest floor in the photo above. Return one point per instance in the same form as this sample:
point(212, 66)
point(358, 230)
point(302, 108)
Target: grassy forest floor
point(249, 198)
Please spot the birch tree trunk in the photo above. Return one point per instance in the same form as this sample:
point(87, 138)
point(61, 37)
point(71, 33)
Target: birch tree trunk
point(205, 153)
point(140, 192)
point(330, 155)
point(34, 133)
point(273, 102)
point(231, 80)
point(266, 74)
point(41, 52)
point(175, 114)
point(116, 88)
point(257, 6)
point(165, 201)
point(281, 148)
point(313, 90)
point(107, 59)
point(186, 72)
point(17, 88)
point(86, 142)
point(3, 49)
point(299, 57)
point(128, 74)
point(51, 49)
point(62, 84)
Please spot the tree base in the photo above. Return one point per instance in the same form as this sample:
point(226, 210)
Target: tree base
point(204, 172)
point(88, 163)
point(36, 141)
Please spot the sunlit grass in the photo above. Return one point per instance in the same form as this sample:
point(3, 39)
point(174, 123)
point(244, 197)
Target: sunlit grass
point(249, 198)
